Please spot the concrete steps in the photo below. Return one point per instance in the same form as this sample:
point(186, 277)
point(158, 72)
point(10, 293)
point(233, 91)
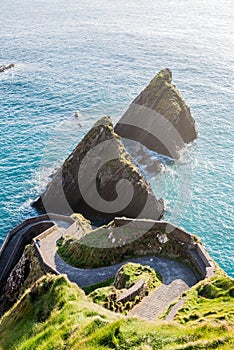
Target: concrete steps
point(159, 300)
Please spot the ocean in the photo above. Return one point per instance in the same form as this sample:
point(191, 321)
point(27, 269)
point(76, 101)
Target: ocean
point(95, 57)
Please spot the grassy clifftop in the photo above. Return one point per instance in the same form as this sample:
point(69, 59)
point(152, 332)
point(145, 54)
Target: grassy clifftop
point(211, 299)
point(55, 314)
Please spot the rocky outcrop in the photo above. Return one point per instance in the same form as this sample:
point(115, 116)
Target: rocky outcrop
point(23, 275)
point(132, 283)
point(130, 273)
point(100, 181)
point(159, 118)
point(3, 67)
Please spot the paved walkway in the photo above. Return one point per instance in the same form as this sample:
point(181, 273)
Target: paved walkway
point(16, 240)
point(177, 277)
point(159, 300)
point(13, 249)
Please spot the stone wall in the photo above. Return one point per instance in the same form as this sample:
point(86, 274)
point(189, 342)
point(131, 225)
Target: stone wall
point(14, 248)
point(185, 243)
point(16, 240)
point(201, 260)
point(138, 289)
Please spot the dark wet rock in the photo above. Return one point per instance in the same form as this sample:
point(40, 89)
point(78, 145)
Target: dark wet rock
point(77, 114)
point(100, 181)
point(3, 68)
point(159, 118)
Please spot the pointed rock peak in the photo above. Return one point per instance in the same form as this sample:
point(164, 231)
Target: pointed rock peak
point(104, 121)
point(100, 180)
point(159, 118)
point(164, 76)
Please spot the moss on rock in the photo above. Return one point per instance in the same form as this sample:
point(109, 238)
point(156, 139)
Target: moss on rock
point(130, 273)
point(127, 276)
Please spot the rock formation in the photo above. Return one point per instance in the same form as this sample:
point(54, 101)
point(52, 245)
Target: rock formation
point(23, 275)
point(159, 118)
point(3, 67)
point(100, 181)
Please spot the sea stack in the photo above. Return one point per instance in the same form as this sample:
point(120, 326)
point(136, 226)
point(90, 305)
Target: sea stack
point(100, 181)
point(159, 118)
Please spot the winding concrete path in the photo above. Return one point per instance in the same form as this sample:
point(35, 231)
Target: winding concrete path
point(16, 240)
point(177, 277)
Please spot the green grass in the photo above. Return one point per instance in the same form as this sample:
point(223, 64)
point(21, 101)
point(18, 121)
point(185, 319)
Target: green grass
point(133, 334)
point(130, 273)
point(211, 299)
point(109, 245)
point(106, 297)
point(125, 278)
point(92, 287)
point(47, 316)
point(56, 314)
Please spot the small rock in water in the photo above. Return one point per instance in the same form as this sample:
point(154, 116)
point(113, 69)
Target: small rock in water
point(77, 114)
point(3, 67)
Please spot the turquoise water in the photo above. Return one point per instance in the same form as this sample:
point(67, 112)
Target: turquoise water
point(95, 57)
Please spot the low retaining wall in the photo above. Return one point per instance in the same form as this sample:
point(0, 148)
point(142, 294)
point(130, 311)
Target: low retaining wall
point(138, 289)
point(27, 222)
point(185, 243)
point(201, 260)
point(161, 226)
point(14, 248)
point(16, 240)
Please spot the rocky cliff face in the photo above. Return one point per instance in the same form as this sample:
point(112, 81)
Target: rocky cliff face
point(22, 276)
point(159, 118)
point(100, 181)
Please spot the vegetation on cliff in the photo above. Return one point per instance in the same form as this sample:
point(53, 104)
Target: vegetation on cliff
point(130, 273)
point(211, 299)
point(50, 312)
point(55, 314)
point(110, 245)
